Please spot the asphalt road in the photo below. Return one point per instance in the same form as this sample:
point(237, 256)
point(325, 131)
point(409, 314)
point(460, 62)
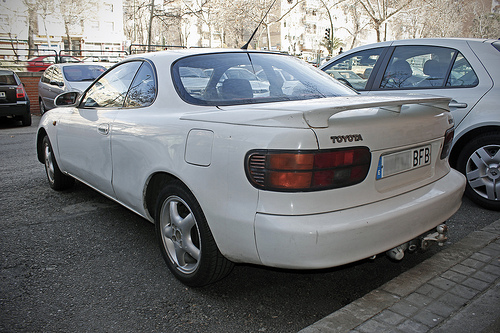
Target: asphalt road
point(75, 261)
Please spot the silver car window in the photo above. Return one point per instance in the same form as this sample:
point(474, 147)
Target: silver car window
point(354, 70)
point(420, 66)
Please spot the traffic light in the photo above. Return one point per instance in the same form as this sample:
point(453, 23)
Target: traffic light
point(327, 33)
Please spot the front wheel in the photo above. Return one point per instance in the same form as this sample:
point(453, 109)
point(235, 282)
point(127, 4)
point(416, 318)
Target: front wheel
point(185, 240)
point(57, 180)
point(42, 107)
point(479, 161)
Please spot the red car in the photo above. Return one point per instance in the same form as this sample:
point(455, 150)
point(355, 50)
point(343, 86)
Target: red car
point(39, 64)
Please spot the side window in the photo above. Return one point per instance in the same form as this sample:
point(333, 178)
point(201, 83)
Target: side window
point(57, 77)
point(462, 74)
point(143, 89)
point(47, 75)
point(110, 90)
point(354, 70)
point(413, 67)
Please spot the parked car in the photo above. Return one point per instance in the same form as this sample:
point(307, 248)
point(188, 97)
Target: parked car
point(467, 71)
point(14, 102)
point(314, 177)
point(39, 64)
point(60, 78)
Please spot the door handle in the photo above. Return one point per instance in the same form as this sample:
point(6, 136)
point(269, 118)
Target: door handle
point(455, 104)
point(103, 129)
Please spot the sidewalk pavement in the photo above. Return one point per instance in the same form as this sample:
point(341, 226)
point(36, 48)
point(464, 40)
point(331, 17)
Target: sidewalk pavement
point(456, 290)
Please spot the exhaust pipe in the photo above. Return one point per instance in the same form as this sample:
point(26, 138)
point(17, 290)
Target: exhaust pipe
point(398, 252)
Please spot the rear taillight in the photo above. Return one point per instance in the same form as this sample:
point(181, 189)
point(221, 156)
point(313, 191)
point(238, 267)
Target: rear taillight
point(20, 93)
point(277, 170)
point(448, 140)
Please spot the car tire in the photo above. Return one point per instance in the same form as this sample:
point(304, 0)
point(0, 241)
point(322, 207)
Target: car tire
point(479, 161)
point(57, 180)
point(42, 107)
point(185, 239)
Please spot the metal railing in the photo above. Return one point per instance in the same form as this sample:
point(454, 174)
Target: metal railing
point(23, 59)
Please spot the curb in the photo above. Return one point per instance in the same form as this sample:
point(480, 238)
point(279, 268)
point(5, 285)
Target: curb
point(361, 311)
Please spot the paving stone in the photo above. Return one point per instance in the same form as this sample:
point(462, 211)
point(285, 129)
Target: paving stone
point(404, 308)
point(473, 263)
point(432, 291)
point(492, 269)
point(481, 257)
point(454, 276)
point(463, 269)
point(428, 318)
point(419, 299)
point(374, 326)
point(491, 250)
point(442, 283)
point(411, 326)
point(484, 276)
point(390, 317)
point(465, 292)
point(441, 309)
point(453, 300)
point(476, 284)
point(495, 262)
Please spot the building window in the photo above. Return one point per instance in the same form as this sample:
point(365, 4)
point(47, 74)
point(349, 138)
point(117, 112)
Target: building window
point(108, 7)
point(109, 26)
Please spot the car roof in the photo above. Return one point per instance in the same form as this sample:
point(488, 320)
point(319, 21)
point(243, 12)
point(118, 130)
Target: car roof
point(177, 54)
point(6, 72)
point(66, 64)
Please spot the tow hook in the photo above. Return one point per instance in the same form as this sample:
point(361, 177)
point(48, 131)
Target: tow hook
point(422, 242)
point(439, 236)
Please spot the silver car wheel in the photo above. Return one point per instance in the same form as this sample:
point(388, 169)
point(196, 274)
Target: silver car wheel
point(49, 162)
point(483, 172)
point(180, 234)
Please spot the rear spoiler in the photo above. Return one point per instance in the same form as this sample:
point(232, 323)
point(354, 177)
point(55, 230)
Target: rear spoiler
point(318, 117)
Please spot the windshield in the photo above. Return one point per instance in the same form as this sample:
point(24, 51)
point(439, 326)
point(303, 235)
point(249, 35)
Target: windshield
point(82, 73)
point(247, 78)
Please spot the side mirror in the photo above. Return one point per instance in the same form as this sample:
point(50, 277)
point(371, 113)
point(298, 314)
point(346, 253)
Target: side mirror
point(69, 98)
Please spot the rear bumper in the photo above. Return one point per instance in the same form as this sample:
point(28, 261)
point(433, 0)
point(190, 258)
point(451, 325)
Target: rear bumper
point(21, 108)
point(340, 237)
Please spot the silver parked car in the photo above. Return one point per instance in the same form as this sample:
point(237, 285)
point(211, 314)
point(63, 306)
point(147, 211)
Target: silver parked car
point(462, 69)
point(60, 78)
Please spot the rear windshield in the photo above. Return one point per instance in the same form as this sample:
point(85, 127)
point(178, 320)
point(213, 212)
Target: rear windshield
point(82, 73)
point(7, 78)
point(247, 78)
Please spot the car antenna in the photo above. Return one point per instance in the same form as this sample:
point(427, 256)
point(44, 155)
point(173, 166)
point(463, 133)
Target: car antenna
point(244, 47)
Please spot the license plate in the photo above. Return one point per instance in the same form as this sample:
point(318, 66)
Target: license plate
point(403, 161)
point(2, 94)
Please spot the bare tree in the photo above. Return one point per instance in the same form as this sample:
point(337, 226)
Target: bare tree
point(74, 14)
point(486, 20)
point(380, 11)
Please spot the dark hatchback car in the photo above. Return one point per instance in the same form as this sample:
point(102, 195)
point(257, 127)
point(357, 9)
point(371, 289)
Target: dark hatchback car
point(14, 102)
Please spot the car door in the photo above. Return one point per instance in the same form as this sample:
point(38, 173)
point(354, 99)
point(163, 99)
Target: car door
point(132, 145)
point(51, 84)
point(445, 68)
point(55, 87)
point(84, 132)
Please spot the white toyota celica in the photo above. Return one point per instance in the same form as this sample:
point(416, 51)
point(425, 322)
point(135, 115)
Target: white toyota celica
point(307, 177)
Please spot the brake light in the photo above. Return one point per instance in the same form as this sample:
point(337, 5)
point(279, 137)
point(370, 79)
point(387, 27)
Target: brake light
point(448, 139)
point(20, 93)
point(276, 170)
